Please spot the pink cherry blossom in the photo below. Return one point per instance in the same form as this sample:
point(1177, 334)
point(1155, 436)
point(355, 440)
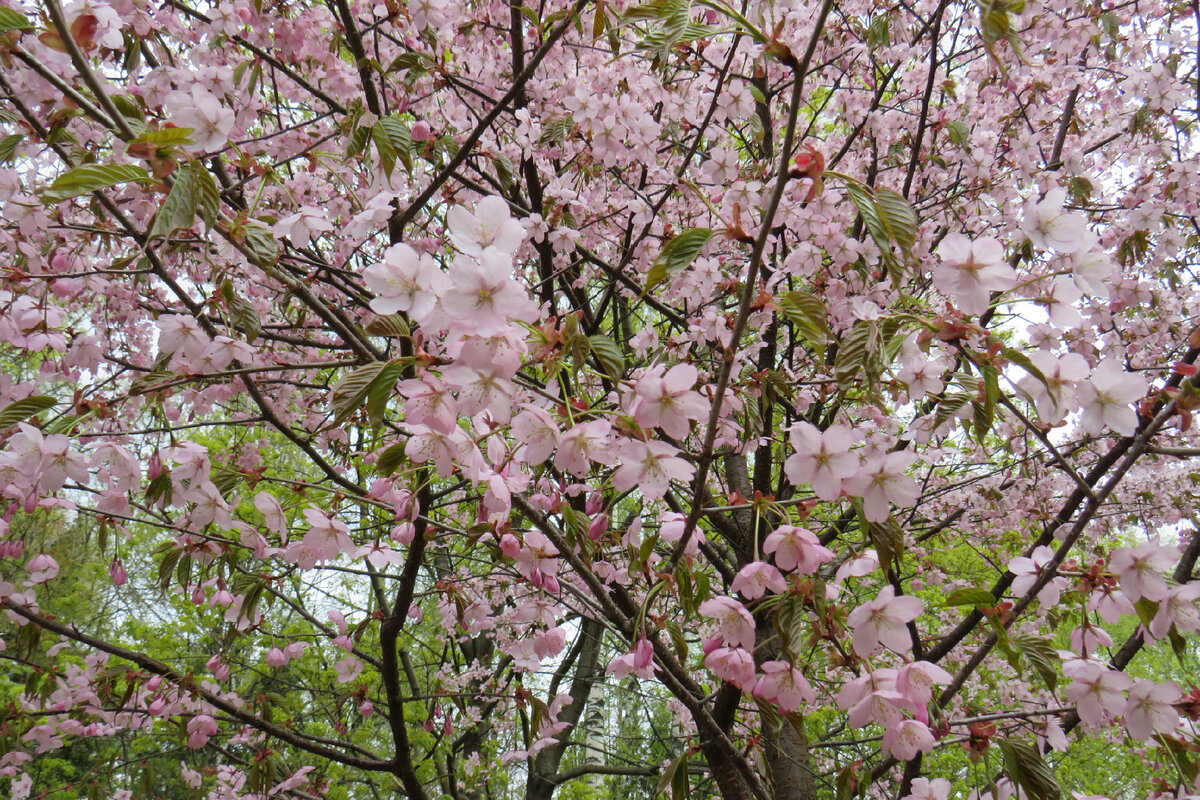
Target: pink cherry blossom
point(1096, 690)
point(756, 579)
point(200, 728)
point(1106, 398)
point(926, 789)
point(1029, 570)
point(821, 458)
point(490, 226)
point(666, 400)
point(882, 622)
point(1150, 709)
point(970, 270)
point(732, 664)
point(881, 481)
point(736, 623)
point(783, 685)
point(42, 568)
point(650, 466)
point(1049, 227)
point(907, 739)
point(1140, 569)
point(796, 549)
point(405, 281)
point(305, 225)
point(638, 662)
point(200, 110)
point(348, 669)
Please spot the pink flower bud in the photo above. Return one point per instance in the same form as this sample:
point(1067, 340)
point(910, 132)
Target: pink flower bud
point(595, 502)
point(367, 708)
point(42, 568)
point(157, 707)
point(509, 545)
point(218, 667)
point(276, 658)
point(295, 650)
point(154, 683)
point(198, 595)
point(421, 131)
point(414, 612)
point(116, 571)
point(598, 528)
point(404, 533)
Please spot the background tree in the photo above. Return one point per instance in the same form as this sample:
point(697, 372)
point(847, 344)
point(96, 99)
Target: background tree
point(817, 377)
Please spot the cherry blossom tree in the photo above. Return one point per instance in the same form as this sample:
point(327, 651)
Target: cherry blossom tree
point(430, 374)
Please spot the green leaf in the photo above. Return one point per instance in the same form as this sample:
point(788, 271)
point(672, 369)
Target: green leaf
point(387, 151)
point(391, 326)
point(899, 217)
point(21, 410)
point(8, 146)
point(959, 133)
point(674, 777)
point(390, 459)
point(872, 217)
point(1027, 769)
point(11, 20)
point(888, 541)
point(677, 255)
point(1041, 654)
point(263, 249)
point(970, 597)
point(92, 177)
point(165, 137)
point(194, 192)
point(609, 355)
point(857, 355)
point(351, 389)
point(808, 313)
point(380, 390)
point(400, 138)
point(241, 312)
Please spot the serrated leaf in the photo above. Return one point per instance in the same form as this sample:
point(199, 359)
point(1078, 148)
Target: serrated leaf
point(351, 389)
point(164, 137)
point(385, 148)
point(390, 459)
point(856, 351)
point(958, 132)
point(11, 20)
point(241, 311)
point(668, 780)
point(391, 326)
point(93, 177)
point(808, 313)
point(970, 596)
point(677, 255)
point(865, 203)
point(888, 540)
point(194, 192)
point(400, 137)
point(609, 355)
point(380, 390)
point(1042, 655)
point(899, 217)
point(8, 146)
point(21, 410)
point(264, 250)
point(1027, 770)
